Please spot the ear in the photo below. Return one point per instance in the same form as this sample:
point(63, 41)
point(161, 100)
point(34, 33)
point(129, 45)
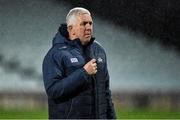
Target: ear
point(71, 30)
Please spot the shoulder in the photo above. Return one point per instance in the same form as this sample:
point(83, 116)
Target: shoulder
point(98, 46)
point(56, 52)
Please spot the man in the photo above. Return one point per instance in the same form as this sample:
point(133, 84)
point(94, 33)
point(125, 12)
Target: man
point(75, 72)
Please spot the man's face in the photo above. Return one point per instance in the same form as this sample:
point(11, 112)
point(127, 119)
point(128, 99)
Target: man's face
point(83, 28)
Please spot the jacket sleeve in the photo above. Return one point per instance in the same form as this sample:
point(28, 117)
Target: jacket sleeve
point(58, 86)
point(110, 108)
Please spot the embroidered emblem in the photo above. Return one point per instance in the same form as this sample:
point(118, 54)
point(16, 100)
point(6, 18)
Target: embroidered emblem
point(100, 60)
point(74, 60)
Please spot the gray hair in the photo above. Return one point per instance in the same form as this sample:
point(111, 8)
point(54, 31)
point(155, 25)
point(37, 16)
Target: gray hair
point(73, 13)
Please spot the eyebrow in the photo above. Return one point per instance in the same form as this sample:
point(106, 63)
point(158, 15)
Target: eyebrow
point(86, 22)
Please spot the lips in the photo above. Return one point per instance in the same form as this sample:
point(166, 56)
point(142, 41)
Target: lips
point(87, 35)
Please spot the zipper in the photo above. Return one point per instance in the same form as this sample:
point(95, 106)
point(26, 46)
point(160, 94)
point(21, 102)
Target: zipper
point(96, 97)
point(88, 56)
point(70, 109)
point(92, 55)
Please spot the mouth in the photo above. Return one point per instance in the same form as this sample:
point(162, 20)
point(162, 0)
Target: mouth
point(87, 35)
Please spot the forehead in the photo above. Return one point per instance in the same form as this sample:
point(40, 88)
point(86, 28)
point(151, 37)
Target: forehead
point(84, 17)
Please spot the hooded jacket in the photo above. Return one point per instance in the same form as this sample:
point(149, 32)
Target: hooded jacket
point(71, 91)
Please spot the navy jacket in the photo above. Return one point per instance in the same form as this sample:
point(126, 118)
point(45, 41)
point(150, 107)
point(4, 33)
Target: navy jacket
point(72, 93)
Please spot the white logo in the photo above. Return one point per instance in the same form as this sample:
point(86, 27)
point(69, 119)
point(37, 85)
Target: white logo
point(74, 60)
point(100, 60)
point(63, 47)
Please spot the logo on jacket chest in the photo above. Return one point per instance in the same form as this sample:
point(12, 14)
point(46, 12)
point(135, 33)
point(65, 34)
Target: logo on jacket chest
point(74, 60)
point(99, 60)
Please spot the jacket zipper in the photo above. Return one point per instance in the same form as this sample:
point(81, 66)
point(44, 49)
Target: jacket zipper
point(96, 97)
point(92, 55)
point(69, 110)
point(95, 85)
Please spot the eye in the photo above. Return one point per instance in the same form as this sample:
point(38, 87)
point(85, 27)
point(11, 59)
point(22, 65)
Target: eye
point(90, 23)
point(84, 23)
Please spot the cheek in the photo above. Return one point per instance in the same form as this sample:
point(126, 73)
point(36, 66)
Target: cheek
point(81, 32)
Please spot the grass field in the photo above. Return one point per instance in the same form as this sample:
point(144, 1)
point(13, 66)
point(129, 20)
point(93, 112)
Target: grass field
point(148, 114)
point(121, 114)
point(23, 114)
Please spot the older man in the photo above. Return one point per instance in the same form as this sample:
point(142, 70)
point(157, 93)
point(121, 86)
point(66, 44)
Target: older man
point(75, 71)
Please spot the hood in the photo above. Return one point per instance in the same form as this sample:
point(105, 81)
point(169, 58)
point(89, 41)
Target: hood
point(62, 35)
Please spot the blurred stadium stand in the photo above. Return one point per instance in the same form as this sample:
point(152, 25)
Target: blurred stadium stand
point(142, 36)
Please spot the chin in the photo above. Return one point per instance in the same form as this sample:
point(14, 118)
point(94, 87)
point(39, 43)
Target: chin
point(88, 40)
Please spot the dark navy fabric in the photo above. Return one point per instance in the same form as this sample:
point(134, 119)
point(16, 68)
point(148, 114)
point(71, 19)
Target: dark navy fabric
point(72, 93)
